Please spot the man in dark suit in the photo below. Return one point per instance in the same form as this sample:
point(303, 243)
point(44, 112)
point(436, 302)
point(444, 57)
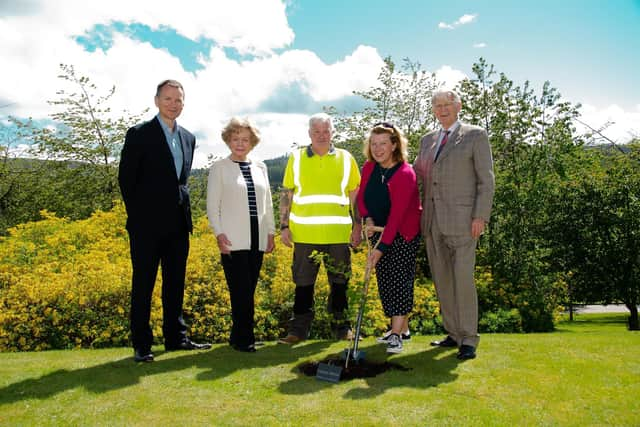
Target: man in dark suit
point(154, 169)
point(456, 169)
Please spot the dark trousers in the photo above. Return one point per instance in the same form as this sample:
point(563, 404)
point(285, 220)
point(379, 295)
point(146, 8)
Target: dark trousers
point(242, 269)
point(305, 267)
point(336, 304)
point(148, 251)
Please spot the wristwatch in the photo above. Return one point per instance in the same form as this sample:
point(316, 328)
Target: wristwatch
point(283, 226)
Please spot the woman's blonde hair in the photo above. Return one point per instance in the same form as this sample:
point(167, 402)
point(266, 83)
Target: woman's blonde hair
point(236, 124)
point(400, 153)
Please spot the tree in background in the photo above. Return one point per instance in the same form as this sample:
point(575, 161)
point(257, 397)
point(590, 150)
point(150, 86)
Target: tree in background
point(532, 141)
point(84, 146)
point(402, 97)
point(27, 186)
point(596, 228)
point(16, 181)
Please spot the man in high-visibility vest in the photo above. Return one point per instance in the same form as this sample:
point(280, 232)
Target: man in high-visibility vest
point(317, 201)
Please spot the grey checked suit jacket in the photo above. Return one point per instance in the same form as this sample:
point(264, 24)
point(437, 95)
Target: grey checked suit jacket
point(459, 186)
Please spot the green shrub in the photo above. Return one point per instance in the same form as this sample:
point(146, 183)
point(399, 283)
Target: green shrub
point(500, 321)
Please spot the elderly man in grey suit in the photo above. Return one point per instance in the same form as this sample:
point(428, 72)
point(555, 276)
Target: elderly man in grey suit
point(456, 170)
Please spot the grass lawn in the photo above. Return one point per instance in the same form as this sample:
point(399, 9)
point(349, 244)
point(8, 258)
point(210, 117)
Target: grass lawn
point(586, 373)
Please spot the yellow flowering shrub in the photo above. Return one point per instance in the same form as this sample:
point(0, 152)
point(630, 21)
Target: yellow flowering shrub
point(66, 284)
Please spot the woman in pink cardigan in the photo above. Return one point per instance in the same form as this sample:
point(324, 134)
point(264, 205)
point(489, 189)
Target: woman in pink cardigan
point(388, 197)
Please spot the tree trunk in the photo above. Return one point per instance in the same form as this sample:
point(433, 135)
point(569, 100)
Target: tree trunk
point(570, 312)
point(633, 316)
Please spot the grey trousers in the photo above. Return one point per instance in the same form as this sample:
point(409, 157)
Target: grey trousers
point(452, 260)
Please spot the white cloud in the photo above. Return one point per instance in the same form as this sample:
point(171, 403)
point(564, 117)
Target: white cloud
point(466, 19)
point(279, 133)
point(480, 45)
point(357, 71)
point(449, 77)
point(42, 37)
point(624, 124)
point(250, 26)
point(39, 38)
point(463, 20)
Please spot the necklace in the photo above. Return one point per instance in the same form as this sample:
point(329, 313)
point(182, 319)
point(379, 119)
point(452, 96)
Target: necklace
point(384, 172)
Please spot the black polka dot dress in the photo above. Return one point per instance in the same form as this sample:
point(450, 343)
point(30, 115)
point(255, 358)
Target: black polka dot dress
point(395, 274)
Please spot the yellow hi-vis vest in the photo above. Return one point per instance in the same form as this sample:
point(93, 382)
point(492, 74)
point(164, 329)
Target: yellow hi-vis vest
point(321, 187)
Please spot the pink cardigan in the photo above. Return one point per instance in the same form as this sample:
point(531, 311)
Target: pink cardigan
point(405, 212)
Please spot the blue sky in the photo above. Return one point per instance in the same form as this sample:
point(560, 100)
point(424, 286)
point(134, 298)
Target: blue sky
point(278, 62)
point(588, 49)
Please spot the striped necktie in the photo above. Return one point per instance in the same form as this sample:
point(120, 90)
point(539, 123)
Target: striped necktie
point(442, 144)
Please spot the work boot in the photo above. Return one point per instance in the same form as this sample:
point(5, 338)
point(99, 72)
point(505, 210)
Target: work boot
point(341, 327)
point(299, 326)
point(344, 333)
point(290, 340)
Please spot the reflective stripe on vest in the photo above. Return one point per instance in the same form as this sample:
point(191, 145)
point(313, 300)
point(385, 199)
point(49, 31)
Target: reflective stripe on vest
point(342, 199)
point(313, 220)
point(320, 209)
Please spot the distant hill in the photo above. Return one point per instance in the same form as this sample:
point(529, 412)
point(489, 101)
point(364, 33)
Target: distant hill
point(276, 169)
point(198, 183)
point(609, 147)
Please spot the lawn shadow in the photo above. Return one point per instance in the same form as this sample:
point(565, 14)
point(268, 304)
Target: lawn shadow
point(224, 360)
point(218, 362)
point(428, 368)
point(97, 379)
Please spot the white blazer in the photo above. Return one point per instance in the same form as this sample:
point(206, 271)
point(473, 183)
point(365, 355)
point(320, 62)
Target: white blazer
point(228, 206)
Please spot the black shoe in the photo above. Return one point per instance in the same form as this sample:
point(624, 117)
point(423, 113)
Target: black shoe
point(143, 356)
point(187, 344)
point(466, 352)
point(447, 342)
point(251, 348)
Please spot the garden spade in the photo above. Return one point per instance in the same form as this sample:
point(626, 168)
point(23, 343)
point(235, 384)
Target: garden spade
point(332, 372)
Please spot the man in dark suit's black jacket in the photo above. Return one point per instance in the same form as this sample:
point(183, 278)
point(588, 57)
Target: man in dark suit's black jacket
point(154, 169)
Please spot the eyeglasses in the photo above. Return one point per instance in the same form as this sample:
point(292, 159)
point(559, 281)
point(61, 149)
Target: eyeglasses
point(443, 106)
point(384, 125)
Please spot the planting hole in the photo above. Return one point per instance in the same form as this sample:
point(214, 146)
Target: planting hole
point(356, 369)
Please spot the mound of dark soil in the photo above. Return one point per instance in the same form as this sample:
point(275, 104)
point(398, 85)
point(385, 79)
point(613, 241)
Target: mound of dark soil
point(356, 369)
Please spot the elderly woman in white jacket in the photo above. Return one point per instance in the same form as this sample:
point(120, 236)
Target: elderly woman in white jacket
point(240, 213)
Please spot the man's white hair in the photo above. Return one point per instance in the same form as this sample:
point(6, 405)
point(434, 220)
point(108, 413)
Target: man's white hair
point(321, 118)
point(449, 94)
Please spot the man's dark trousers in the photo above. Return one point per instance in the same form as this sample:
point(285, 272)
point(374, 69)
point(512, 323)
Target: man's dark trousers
point(149, 249)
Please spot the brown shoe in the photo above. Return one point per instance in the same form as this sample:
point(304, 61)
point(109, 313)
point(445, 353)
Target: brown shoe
point(290, 340)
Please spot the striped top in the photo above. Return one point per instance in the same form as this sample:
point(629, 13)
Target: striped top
point(245, 168)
